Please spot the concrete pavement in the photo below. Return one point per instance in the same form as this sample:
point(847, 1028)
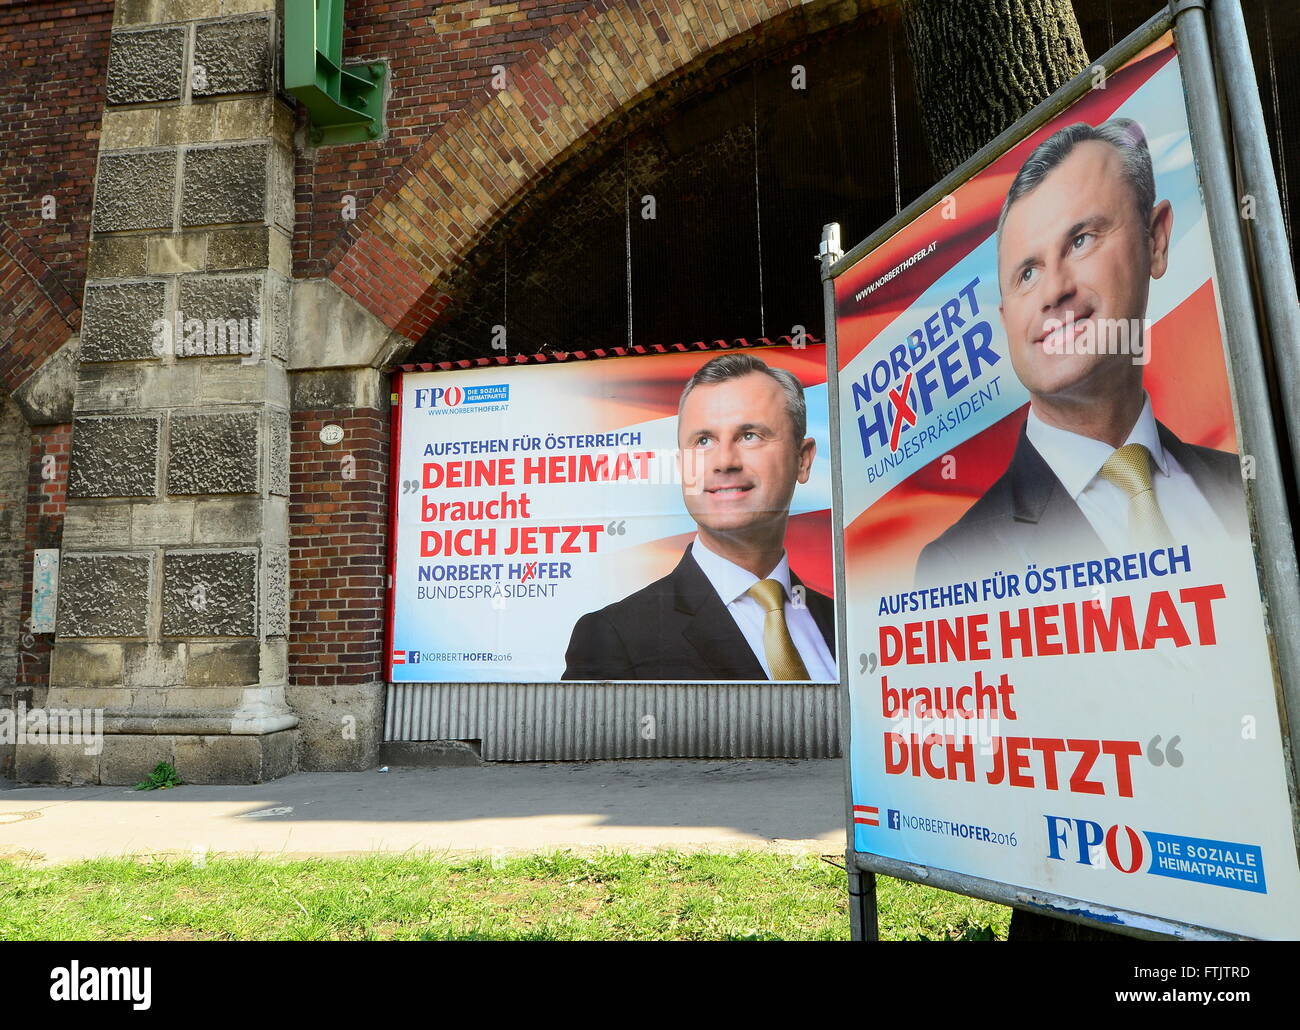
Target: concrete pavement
point(499, 809)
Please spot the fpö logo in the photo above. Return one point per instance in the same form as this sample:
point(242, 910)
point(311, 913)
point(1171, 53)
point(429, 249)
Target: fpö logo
point(458, 396)
point(1127, 850)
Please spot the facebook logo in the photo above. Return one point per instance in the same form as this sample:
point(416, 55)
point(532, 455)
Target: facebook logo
point(413, 657)
point(894, 819)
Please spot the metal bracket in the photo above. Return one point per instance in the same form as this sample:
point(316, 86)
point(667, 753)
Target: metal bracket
point(345, 104)
point(829, 248)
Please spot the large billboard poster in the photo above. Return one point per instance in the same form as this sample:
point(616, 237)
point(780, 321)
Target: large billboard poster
point(596, 520)
point(1060, 677)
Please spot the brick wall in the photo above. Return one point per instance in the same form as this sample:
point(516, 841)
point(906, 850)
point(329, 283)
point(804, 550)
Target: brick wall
point(36, 314)
point(53, 58)
point(565, 95)
point(13, 486)
point(441, 58)
point(338, 548)
point(46, 501)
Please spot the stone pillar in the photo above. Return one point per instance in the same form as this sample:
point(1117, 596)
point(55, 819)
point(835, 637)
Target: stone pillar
point(173, 599)
point(338, 524)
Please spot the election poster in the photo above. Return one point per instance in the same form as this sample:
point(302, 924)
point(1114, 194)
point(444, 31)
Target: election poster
point(1060, 677)
point(649, 517)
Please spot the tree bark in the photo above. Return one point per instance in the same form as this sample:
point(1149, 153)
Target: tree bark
point(981, 64)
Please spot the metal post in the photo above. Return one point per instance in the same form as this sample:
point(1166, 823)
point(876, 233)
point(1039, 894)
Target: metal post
point(862, 885)
point(1276, 560)
point(863, 925)
point(1273, 253)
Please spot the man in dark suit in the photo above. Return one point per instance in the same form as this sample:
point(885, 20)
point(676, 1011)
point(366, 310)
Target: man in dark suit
point(1027, 514)
point(1080, 238)
point(731, 609)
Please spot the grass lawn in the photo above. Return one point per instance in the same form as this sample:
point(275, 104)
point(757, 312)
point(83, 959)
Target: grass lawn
point(560, 896)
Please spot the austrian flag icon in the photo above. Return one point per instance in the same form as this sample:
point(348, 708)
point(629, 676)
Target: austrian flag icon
point(866, 815)
point(399, 657)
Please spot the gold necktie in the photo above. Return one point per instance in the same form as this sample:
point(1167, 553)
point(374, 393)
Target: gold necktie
point(782, 656)
point(1129, 468)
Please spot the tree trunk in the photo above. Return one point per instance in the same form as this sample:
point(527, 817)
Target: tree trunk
point(981, 64)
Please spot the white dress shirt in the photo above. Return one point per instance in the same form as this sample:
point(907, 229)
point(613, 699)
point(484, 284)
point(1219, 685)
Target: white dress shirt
point(1077, 460)
point(731, 583)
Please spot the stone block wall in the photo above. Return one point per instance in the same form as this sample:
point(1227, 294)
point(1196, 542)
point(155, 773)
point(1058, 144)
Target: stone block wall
point(173, 592)
point(194, 490)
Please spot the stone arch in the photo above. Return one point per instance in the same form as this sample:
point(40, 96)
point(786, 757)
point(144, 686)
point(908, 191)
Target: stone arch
point(609, 69)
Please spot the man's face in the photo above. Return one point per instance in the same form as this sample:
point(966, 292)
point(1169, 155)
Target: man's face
point(740, 460)
point(1075, 250)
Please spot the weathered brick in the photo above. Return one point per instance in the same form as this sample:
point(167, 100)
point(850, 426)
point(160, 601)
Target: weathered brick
point(119, 322)
point(146, 66)
point(104, 595)
point(135, 190)
point(224, 184)
point(115, 456)
point(214, 453)
point(209, 593)
point(235, 57)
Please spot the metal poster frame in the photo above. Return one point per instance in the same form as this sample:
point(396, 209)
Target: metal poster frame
point(1209, 70)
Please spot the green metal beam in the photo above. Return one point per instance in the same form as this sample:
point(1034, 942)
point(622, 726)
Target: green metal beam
point(345, 104)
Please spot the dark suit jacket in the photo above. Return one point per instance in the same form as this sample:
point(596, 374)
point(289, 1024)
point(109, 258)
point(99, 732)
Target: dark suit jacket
point(677, 628)
point(1026, 516)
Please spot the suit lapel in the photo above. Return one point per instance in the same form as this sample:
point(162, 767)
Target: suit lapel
point(823, 613)
point(710, 629)
point(1041, 505)
point(1223, 497)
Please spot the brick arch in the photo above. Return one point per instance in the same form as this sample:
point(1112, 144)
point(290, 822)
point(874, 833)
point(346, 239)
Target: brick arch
point(37, 315)
point(473, 170)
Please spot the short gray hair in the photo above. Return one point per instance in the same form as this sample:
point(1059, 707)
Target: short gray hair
point(732, 366)
point(1124, 134)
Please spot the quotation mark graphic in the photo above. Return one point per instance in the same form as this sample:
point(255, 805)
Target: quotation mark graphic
point(410, 486)
point(867, 662)
point(1171, 754)
point(617, 528)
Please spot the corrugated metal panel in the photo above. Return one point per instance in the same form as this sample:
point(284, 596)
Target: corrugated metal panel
point(530, 722)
